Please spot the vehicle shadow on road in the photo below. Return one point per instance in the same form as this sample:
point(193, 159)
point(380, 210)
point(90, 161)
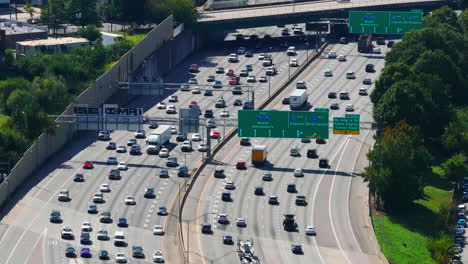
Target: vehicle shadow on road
point(270, 167)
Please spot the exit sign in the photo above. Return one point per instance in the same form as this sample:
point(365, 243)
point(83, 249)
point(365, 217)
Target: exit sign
point(346, 125)
point(384, 22)
point(282, 124)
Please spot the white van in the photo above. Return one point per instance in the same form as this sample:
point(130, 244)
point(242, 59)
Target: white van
point(119, 238)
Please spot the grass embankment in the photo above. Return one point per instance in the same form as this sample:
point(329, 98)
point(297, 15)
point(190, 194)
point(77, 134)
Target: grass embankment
point(403, 236)
point(134, 38)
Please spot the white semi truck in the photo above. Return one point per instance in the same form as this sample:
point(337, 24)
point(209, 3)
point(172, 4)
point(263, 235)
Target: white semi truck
point(157, 139)
point(297, 99)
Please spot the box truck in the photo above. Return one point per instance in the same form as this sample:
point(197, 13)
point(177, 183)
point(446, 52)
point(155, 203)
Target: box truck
point(364, 43)
point(297, 99)
point(158, 138)
point(259, 154)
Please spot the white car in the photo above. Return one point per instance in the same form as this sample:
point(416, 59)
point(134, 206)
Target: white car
point(202, 147)
point(291, 51)
point(161, 105)
point(120, 258)
point(241, 222)
point(261, 56)
point(251, 78)
point(170, 109)
point(193, 81)
point(130, 200)
point(173, 99)
point(186, 145)
point(164, 153)
point(293, 63)
point(376, 50)
point(111, 160)
point(158, 257)
point(104, 187)
point(342, 58)
point(350, 75)
point(310, 231)
point(298, 173)
point(225, 113)
point(362, 91)
point(140, 134)
point(196, 137)
point(158, 230)
point(332, 55)
point(229, 185)
point(67, 232)
point(121, 149)
point(98, 197)
point(86, 227)
point(349, 108)
point(173, 130)
point(328, 73)
point(297, 31)
point(196, 90)
point(122, 166)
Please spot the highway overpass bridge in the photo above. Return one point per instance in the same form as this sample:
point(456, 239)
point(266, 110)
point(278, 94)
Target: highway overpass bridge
point(302, 12)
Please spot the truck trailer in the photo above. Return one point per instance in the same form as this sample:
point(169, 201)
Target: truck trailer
point(364, 43)
point(158, 138)
point(298, 99)
point(259, 154)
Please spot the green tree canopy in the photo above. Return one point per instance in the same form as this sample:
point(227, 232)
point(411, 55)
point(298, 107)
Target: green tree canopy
point(455, 136)
point(90, 32)
point(455, 167)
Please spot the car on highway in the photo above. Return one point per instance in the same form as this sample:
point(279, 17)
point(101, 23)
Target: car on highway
point(332, 55)
point(137, 252)
point(293, 63)
point(158, 230)
point(296, 249)
point(85, 238)
point(341, 58)
point(305, 140)
point(285, 100)
point(122, 222)
point(298, 173)
point(245, 141)
point(376, 50)
point(241, 50)
point(334, 106)
point(234, 80)
point(111, 145)
point(291, 51)
point(310, 231)
point(66, 233)
point(173, 130)
point(194, 68)
point(301, 85)
point(229, 185)
point(241, 222)
point(367, 81)
point(162, 210)
point(258, 190)
point(88, 165)
point(55, 216)
point(208, 93)
point(263, 79)
point(390, 44)
point(135, 149)
point(120, 258)
point(362, 91)
point(237, 102)
point(350, 75)
point(130, 200)
point(294, 151)
point(332, 95)
point(291, 188)
point(219, 70)
point(121, 149)
point(149, 193)
point(312, 153)
point(186, 146)
point(153, 124)
point(85, 252)
point(248, 54)
point(240, 165)
point(237, 90)
point(64, 195)
point(229, 72)
point(328, 73)
point(206, 228)
point(79, 177)
point(370, 68)
point(122, 166)
point(163, 153)
point(344, 95)
point(103, 135)
point(248, 105)
point(173, 99)
point(163, 173)
point(86, 227)
point(273, 199)
point(285, 32)
point(270, 71)
point(301, 200)
point(215, 134)
point(158, 257)
point(349, 108)
point(233, 58)
point(171, 109)
point(192, 104)
point(210, 78)
point(105, 217)
point(223, 219)
point(217, 84)
point(102, 235)
point(131, 141)
point(103, 254)
point(251, 78)
point(92, 209)
point(140, 134)
point(267, 176)
point(70, 252)
point(202, 147)
point(196, 137)
point(226, 196)
point(211, 123)
point(323, 163)
point(227, 240)
point(343, 40)
point(114, 174)
point(196, 90)
point(219, 172)
point(224, 113)
point(193, 81)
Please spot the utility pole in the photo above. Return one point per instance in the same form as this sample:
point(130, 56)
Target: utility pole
point(188, 240)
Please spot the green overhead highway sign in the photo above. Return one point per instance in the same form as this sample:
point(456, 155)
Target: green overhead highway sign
point(282, 124)
point(346, 125)
point(384, 22)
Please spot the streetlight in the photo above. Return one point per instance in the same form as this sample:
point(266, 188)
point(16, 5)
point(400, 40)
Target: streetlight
point(268, 86)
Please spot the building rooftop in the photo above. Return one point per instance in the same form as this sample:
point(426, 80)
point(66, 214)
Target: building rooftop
point(52, 41)
point(12, 28)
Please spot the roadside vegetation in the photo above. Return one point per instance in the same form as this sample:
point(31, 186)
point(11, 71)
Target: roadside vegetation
point(419, 157)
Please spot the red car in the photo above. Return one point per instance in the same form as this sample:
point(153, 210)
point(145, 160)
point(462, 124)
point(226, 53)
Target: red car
point(88, 165)
point(241, 165)
point(320, 141)
point(193, 103)
point(234, 80)
point(193, 68)
point(229, 72)
point(215, 134)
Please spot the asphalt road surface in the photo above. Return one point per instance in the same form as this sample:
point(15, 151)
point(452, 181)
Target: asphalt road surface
point(27, 236)
point(337, 198)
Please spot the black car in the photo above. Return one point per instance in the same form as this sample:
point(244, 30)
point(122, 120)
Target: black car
point(149, 193)
point(238, 102)
point(291, 188)
point(343, 40)
point(79, 177)
point(153, 125)
point(114, 174)
point(206, 229)
point(105, 217)
point(103, 254)
point(248, 105)
point(301, 200)
point(332, 95)
point(219, 173)
point(245, 141)
point(208, 93)
point(181, 136)
point(70, 252)
point(135, 149)
point(85, 238)
point(380, 41)
point(370, 68)
point(227, 240)
point(253, 37)
point(367, 81)
point(296, 249)
point(208, 113)
point(239, 37)
point(249, 53)
point(92, 209)
point(390, 43)
point(285, 100)
point(122, 222)
point(226, 196)
point(323, 163)
point(312, 153)
point(259, 190)
point(55, 216)
point(137, 252)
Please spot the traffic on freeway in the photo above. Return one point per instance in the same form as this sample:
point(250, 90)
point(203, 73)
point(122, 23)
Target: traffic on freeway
point(296, 207)
point(104, 197)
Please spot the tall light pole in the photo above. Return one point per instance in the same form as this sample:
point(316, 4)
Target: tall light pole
point(269, 86)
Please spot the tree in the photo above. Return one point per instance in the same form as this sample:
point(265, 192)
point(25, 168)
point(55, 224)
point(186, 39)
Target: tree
point(55, 13)
point(84, 12)
point(52, 94)
point(455, 136)
point(29, 9)
point(183, 11)
point(391, 74)
point(399, 163)
point(90, 32)
point(443, 15)
point(9, 58)
point(441, 249)
point(7, 87)
point(455, 167)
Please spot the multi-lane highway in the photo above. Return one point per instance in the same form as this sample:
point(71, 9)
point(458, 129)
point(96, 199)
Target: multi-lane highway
point(27, 236)
point(336, 197)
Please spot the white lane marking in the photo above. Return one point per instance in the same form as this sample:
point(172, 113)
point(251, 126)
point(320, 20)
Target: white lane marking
point(315, 196)
point(35, 245)
point(43, 246)
point(330, 203)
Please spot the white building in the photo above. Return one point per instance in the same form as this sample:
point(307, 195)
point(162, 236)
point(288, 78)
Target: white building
point(50, 45)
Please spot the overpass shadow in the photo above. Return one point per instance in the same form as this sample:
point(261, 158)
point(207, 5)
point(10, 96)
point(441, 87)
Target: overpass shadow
point(271, 168)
